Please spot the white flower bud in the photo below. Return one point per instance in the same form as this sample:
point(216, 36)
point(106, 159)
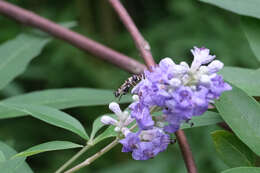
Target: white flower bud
point(166, 62)
point(113, 106)
point(203, 69)
point(184, 64)
point(135, 97)
point(174, 82)
point(117, 129)
point(215, 66)
point(108, 120)
point(193, 87)
point(205, 79)
point(179, 69)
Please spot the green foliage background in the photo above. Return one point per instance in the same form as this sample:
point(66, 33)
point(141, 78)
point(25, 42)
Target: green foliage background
point(172, 28)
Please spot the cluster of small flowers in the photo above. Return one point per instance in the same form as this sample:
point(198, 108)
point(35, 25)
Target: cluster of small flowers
point(179, 91)
point(143, 144)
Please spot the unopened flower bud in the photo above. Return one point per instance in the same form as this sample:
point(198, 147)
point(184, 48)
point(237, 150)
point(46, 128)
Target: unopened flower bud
point(203, 69)
point(108, 120)
point(135, 97)
point(179, 69)
point(175, 82)
point(205, 79)
point(166, 62)
point(184, 64)
point(113, 106)
point(215, 66)
point(117, 129)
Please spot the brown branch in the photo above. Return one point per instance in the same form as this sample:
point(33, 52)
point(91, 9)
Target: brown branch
point(144, 49)
point(186, 152)
point(141, 44)
point(31, 19)
point(225, 126)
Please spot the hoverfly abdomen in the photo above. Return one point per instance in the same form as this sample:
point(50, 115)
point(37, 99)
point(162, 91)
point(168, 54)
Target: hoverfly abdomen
point(127, 85)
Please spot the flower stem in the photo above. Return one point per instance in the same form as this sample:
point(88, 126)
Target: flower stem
point(186, 152)
point(94, 157)
point(76, 156)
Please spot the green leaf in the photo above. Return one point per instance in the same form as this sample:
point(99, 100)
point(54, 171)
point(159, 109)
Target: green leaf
point(242, 7)
point(48, 146)
point(231, 150)
point(242, 170)
point(51, 116)
point(241, 112)
point(208, 118)
point(16, 54)
point(246, 79)
point(108, 133)
point(2, 157)
point(251, 28)
point(12, 165)
point(60, 99)
point(97, 125)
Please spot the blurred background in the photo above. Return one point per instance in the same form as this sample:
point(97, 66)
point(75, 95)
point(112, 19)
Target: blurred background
point(172, 28)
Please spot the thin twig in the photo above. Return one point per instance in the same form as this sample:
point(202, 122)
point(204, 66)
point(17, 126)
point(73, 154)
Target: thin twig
point(75, 157)
point(94, 157)
point(186, 152)
point(141, 44)
point(31, 19)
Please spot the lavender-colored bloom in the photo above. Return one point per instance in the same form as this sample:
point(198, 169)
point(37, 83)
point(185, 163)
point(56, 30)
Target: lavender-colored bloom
point(201, 55)
point(148, 149)
point(218, 86)
point(183, 103)
point(144, 151)
point(161, 141)
point(130, 142)
point(200, 101)
point(142, 115)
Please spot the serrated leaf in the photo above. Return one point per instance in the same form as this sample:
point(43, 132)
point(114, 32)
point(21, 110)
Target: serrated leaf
point(12, 165)
point(60, 99)
point(231, 150)
point(241, 113)
point(242, 170)
point(208, 118)
point(16, 54)
point(108, 133)
point(51, 116)
point(246, 79)
point(48, 146)
point(97, 125)
point(242, 7)
point(251, 28)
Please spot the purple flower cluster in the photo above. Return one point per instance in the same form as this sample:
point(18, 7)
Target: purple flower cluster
point(145, 144)
point(180, 91)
